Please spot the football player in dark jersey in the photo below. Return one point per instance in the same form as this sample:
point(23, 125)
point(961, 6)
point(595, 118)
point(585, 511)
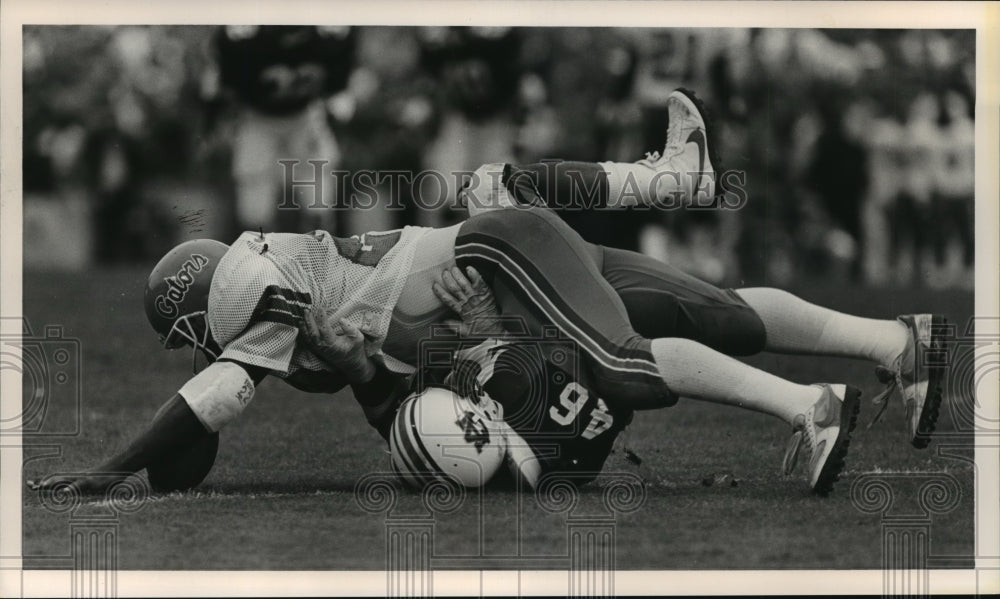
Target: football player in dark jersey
point(279, 77)
point(556, 423)
point(478, 72)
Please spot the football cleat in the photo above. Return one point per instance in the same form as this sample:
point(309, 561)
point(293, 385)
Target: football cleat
point(688, 160)
point(917, 374)
point(826, 429)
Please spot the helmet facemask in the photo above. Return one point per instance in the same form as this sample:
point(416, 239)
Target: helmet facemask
point(192, 329)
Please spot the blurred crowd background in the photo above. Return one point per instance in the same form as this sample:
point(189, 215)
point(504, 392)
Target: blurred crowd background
point(856, 146)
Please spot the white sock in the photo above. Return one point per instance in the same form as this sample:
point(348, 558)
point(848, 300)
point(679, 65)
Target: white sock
point(695, 371)
point(794, 326)
point(629, 184)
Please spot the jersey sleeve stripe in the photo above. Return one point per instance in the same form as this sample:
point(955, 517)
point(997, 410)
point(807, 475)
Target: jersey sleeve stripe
point(280, 317)
point(281, 305)
point(278, 300)
point(289, 294)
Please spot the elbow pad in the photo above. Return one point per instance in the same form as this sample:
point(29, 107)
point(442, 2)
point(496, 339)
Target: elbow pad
point(218, 394)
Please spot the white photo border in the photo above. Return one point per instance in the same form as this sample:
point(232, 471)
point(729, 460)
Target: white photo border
point(984, 17)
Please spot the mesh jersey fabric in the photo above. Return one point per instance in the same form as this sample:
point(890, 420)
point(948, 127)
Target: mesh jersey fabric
point(265, 283)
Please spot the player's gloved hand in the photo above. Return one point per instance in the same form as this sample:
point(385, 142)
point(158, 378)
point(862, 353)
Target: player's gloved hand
point(87, 483)
point(339, 344)
point(470, 298)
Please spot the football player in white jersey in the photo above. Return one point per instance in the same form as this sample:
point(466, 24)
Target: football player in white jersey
point(647, 333)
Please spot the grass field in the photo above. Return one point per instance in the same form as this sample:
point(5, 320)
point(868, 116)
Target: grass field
point(281, 495)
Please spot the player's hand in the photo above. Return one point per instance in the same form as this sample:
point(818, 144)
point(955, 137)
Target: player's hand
point(88, 483)
point(471, 298)
point(339, 344)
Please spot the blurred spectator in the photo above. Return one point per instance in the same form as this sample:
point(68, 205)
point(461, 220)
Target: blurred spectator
point(953, 202)
point(280, 76)
point(692, 240)
point(103, 107)
point(835, 181)
point(911, 214)
point(617, 133)
point(385, 118)
point(478, 70)
point(853, 148)
point(885, 164)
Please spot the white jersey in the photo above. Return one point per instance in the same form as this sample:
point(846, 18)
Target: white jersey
point(265, 283)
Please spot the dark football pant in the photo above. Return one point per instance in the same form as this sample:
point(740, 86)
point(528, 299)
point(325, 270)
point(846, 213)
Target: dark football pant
point(663, 301)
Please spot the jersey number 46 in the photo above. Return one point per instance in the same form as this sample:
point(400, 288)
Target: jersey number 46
point(572, 399)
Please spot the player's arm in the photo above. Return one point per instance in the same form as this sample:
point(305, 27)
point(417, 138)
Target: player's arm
point(380, 398)
point(342, 347)
point(339, 344)
point(210, 400)
point(472, 300)
point(521, 459)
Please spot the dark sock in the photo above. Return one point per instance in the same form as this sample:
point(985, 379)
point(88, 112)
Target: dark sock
point(558, 184)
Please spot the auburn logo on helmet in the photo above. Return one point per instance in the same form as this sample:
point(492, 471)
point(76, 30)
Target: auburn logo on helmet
point(178, 285)
point(475, 430)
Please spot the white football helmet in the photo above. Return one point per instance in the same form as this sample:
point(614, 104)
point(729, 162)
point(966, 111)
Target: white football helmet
point(439, 435)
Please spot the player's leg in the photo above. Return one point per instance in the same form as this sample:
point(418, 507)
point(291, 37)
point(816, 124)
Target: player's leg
point(822, 417)
point(536, 264)
point(685, 173)
point(694, 323)
point(541, 269)
point(795, 326)
point(663, 301)
point(910, 351)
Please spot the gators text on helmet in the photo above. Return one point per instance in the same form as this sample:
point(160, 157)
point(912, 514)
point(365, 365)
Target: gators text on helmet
point(176, 297)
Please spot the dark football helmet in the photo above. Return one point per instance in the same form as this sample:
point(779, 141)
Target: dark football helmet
point(176, 297)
